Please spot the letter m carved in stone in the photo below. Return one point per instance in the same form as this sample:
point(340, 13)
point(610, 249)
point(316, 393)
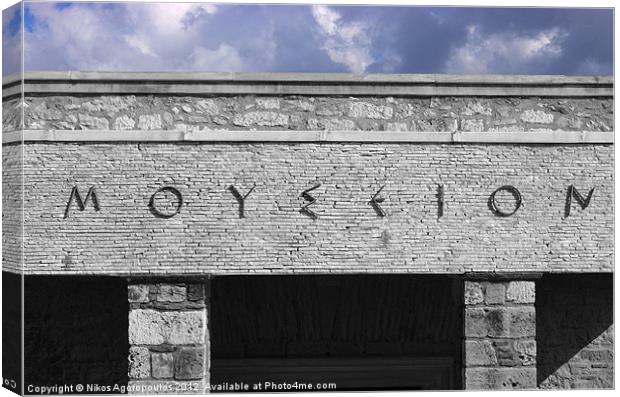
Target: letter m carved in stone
point(574, 193)
point(75, 195)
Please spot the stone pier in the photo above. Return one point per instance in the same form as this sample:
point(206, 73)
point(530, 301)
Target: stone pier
point(168, 336)
point(500, 334)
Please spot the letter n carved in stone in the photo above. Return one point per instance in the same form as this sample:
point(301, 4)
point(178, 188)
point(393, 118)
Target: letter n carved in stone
point(574, 193)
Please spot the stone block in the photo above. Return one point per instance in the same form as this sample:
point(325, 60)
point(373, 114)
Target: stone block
point(190, 363)
point(331, 124)
point(138, 293)
point(123, 123)
point(500, 378)
point(207, 106)
point(494, 293)
point(151, 327)
point(522, 322)
point(162, 365)
point(521, 292)
point(87, 122)
point(268, 103)
point(397, 127)
point(479, 353)
point(370, 111)
point(526, 351)
point(195, 292)
point(171, 293)
point(536, 116)
point(506, 355)
point(150, 122)
point(139, 363)
point(473, 293)
point(261, 118)
point(487, 322)
point(477, 108)
point(474, 125)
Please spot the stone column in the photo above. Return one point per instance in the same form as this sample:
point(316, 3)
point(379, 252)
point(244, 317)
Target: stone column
point(499, 349)
point(168, 336)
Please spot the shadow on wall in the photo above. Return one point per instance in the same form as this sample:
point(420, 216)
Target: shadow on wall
point(575, 331)
point(75, 331)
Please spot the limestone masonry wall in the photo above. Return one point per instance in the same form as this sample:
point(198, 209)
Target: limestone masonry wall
point(12, 214)
point(274, 236)
point(160, 112)
point(437, 214)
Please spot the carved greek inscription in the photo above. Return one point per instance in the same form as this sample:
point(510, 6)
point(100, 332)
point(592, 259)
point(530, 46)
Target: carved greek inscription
point(162, 213)
point(574, 193)
point(240, 198)
point(311, 200)
point(375, 201)
point(75, 195)
point(515, 193)
point(439, 201)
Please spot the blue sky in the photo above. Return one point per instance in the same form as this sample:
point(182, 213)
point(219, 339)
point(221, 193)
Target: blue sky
point(306, 38)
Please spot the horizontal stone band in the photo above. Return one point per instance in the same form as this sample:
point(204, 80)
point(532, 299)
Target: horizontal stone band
point(96, 83)
point(540, 137)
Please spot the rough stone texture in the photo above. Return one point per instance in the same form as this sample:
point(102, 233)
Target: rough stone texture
point(499, 336)
point(473, 293)
point(138, 293)
point(139, 363)
point(500, 378)
point(150, 122)
point(171, 293)
point(162, 365)
point(510, 322)
point(207, 235)
point(88, 122)
point(189, 364)
point(494, 294)
point(537, 116)
point(123, 123)
point(302, 113)
point(150, 327)
point(12, 115)
point(521, 292)
point(575, 331)
point(480, 353)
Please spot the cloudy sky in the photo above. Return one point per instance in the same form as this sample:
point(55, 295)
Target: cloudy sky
point(307, 38)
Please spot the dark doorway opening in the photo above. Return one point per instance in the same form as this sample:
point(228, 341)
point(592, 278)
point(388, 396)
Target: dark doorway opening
point(75, 332)
point(359, 332)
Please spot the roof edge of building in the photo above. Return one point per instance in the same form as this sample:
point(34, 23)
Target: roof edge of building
point(329, 84)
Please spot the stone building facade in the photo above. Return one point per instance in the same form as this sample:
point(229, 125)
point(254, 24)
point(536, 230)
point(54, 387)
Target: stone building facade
point(372, 232)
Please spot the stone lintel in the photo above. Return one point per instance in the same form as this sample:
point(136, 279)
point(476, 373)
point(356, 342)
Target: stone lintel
point(310, 136)
point(499, 277)
point(334, 84)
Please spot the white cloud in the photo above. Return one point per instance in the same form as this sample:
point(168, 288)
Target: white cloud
point(140, 44)
point(346, 43)
point(136, 36)
point(11, 44)
point(224, 59)
point(504, 52)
